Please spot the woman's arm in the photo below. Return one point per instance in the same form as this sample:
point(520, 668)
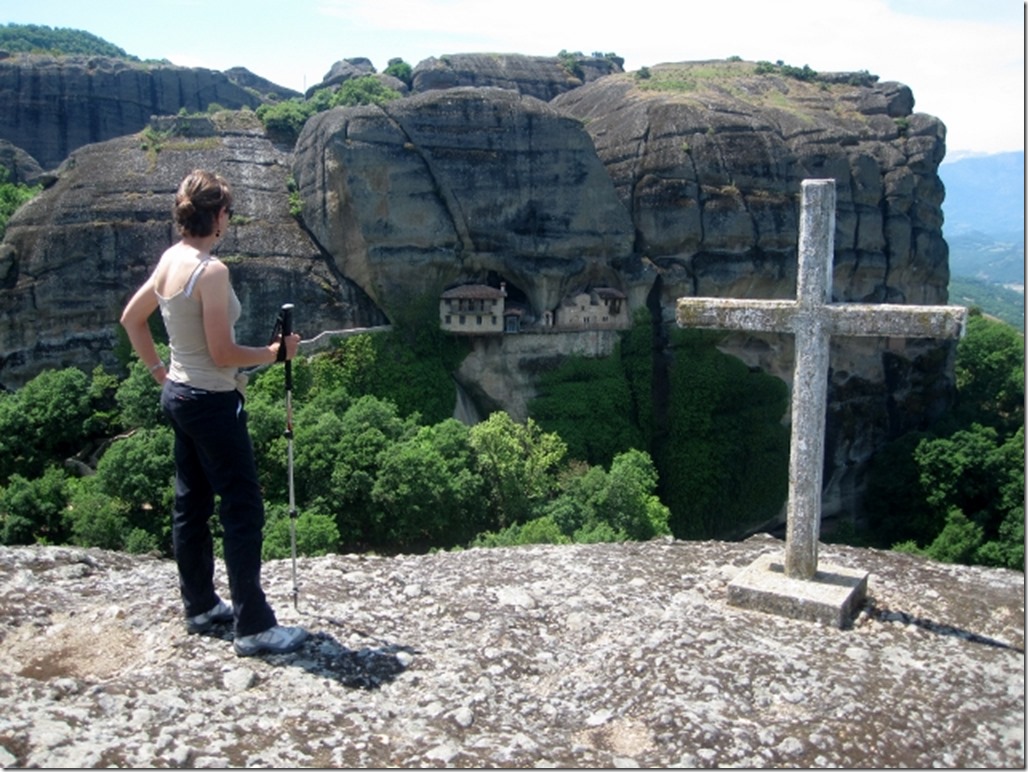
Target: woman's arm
point(134, 318)
point(213, 291)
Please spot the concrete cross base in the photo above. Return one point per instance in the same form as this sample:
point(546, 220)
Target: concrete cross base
point(832, 597)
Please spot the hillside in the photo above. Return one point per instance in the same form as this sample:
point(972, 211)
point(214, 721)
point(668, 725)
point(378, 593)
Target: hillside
point(984, 228)
point(580, 656)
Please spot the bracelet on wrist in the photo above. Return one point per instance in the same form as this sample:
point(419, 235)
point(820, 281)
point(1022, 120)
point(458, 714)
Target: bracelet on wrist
point(154, 367)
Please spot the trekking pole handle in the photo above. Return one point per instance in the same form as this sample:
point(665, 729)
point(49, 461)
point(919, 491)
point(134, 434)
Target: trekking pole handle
point(286, 316)
point(283, 328)
point(287, 319)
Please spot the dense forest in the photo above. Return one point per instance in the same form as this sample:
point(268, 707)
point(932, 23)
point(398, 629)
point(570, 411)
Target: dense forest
point(379, 464)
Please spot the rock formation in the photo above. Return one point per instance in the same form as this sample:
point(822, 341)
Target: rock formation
point(543, 77)
point(458, 184)
point(74, 255)
point(52, 105)
point(577, 656)
point(680, 180)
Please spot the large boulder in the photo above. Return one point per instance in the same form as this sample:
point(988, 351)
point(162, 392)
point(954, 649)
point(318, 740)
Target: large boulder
point(450, 186)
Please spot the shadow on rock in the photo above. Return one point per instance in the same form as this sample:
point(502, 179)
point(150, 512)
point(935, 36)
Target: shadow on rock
point(367, 668)
point(884, 614)
point(324, 656)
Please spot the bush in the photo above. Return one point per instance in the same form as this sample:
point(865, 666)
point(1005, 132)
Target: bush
point(95, 519)
point(12, 197)
point(32, 511)
point(316, 534)
point(44, 422)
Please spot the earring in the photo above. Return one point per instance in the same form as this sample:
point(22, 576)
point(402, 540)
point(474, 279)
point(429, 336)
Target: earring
point(217, 234)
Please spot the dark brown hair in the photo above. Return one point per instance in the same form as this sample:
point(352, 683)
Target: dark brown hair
point(199, 201)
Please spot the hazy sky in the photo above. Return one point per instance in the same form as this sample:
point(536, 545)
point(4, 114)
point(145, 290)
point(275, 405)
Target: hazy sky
point(963, 59)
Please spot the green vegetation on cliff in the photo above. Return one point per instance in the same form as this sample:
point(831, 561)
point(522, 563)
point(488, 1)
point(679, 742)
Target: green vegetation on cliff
point(12, 196)
point(285, 120)
point(40, 39)
point(713, 428)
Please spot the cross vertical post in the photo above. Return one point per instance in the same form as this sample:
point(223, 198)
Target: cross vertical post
point(810, 380)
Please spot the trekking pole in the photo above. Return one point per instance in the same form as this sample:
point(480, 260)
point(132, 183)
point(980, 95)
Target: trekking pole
point(286, 323)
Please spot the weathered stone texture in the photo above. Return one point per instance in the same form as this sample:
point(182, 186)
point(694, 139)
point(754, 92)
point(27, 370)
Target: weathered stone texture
point(570, 657)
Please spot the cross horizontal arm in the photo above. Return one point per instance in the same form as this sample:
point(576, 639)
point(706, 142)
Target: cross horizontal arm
point(735, 314)
point(894, 320)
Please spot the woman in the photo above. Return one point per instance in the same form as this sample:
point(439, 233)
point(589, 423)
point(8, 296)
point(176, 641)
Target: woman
point(202, 399)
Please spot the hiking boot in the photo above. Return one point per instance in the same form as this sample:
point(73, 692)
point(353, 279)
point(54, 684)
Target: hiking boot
point(274, 640)
point(201, 623)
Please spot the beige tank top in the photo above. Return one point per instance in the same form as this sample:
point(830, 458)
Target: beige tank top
point(190, 359)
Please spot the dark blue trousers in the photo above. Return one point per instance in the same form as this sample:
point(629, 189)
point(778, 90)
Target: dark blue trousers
point(214, 456)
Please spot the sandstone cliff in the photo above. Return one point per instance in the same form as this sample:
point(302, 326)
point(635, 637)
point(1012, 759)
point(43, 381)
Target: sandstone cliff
point(74, 255)
point(582, 656)
point(51, 105)
point(679, 181)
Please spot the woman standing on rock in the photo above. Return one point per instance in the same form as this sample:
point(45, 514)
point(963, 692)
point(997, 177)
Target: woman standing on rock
point(202, 399)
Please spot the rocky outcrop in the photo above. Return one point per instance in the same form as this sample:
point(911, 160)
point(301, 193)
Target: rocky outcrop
point(580, 656)
point(49, 106)
point(543, 77)
point(22, 169)
point(73, 256)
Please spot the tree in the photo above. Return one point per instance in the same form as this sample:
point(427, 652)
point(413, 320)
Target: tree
point(316, 534)
point(32, 510)
point(139, 471)
point(44, 422)
point(519, 464)
point(428, 489)
point(139, 396)
point(959, 489)
point(990, 375)
point(96, 519)
point(338, 459)
point(629, 503)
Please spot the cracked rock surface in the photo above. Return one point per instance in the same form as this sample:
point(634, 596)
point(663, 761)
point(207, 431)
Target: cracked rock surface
point(608, 655)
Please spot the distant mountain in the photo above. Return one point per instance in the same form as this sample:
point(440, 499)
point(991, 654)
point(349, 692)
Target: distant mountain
point(997, 257)
point(984, 228)
point(984, 194)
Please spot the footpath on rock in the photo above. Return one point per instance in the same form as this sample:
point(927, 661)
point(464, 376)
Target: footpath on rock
point(607, 655)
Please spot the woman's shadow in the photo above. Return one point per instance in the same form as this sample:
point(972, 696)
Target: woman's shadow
point(324, 656)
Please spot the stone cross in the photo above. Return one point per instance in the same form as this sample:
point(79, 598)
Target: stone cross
point(813, 319)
